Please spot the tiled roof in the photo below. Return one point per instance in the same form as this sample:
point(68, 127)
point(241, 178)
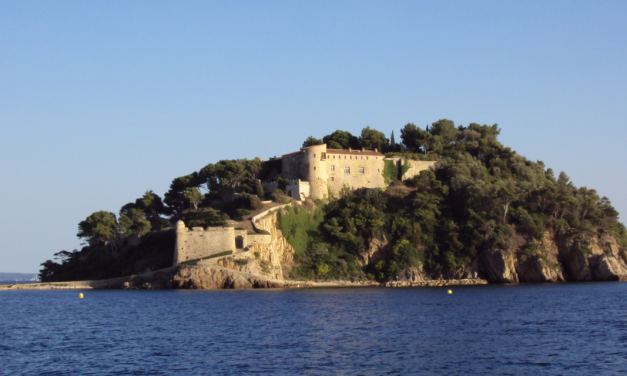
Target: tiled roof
point(345, 151)
point(355, 152)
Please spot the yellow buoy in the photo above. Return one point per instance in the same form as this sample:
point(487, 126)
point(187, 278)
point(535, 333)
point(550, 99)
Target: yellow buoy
point(450, 291)
point(80, 295)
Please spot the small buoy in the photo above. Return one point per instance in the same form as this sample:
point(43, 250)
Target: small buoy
point(450, 291)
point(80, 295)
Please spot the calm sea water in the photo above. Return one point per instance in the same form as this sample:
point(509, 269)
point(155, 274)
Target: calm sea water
point(570, 329)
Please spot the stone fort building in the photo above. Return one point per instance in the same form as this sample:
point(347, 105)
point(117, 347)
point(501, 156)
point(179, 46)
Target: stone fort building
point(315, 171)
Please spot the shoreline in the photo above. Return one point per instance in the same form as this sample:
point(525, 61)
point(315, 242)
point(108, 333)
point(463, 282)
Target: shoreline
point(122, 284)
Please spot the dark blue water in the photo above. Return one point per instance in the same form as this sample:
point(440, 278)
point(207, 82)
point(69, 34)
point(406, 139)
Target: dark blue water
point(571, 329)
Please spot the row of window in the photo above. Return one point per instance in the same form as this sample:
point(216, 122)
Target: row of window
point(324, 156)
point(347, 170)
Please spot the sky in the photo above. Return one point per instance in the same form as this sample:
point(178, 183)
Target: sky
point(103, 100)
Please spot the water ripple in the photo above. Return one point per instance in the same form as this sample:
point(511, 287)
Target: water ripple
point(570, 329)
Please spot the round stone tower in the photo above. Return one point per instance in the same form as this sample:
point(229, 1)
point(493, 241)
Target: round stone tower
point(315, 170)
point(181, 233)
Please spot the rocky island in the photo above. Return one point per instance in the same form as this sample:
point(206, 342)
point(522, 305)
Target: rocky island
point(448, 205)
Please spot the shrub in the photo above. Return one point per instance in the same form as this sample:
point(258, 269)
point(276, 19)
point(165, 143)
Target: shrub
point(390, 172)
point(251, 202)
point(241, 262)
point(280, 197)
point(299, 227)
point(239, 213)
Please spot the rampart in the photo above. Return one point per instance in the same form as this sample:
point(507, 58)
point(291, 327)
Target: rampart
point(270, 186)
point(414, 166)
point(198, 242)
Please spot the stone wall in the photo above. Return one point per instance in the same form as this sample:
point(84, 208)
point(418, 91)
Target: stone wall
point(298, 189)
point(198, 242)
point(417, 166)
point(291, 165)
point(270, 186)
point(253, 239)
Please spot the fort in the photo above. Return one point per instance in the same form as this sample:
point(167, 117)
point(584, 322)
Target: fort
point(312, 172)
point(316, 171)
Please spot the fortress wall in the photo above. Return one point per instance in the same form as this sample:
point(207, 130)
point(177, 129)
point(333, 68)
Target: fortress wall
point(291, 165)
point(258, 239)
point(270, 186)
point(417, 166)
point(371, 178)
point(198, 242)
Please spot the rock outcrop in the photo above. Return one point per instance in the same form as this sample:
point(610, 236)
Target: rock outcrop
point(556, 258)
point(376, 252)
point(275, 259)
point(217, 277)
point(593, 258)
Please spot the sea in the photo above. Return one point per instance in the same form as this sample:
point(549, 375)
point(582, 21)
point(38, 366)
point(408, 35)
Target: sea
point(553, 329)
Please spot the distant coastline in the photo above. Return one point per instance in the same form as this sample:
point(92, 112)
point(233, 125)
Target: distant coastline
point(19, 277)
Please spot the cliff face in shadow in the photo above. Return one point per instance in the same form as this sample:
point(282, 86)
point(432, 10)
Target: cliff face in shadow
point(557, 258)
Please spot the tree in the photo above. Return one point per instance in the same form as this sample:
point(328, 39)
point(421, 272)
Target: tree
point(194, 197)
point(100, 226)
point(371, 139)
point(151, 204)
point(392, 142)
point(311, 141)
point(409, 136)
point(445, 129)
point(174, 197)
point(341, 140)
point(133, 222)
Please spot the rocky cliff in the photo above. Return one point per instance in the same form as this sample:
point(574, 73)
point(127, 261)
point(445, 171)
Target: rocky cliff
point(557, 258)
point(272, 260)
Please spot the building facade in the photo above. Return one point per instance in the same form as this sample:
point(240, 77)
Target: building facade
point(328, 170)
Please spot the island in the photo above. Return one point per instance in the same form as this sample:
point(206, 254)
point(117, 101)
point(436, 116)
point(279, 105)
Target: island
point(448, 205)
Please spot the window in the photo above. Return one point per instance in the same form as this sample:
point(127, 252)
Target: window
point(360, 170)
point(332, 167)
point(362, 157)
point(366, 157)
point(378, 170)
point(344, 157)
point(332, 178)
point(314, 168)
point(347, 170)
point(324, 155)
point(314, 156)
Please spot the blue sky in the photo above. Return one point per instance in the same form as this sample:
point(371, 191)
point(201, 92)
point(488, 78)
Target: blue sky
point(102, 100)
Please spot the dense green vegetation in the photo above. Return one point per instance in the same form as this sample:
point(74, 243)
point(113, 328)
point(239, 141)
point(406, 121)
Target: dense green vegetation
point(156, 251)
point(481, 193)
